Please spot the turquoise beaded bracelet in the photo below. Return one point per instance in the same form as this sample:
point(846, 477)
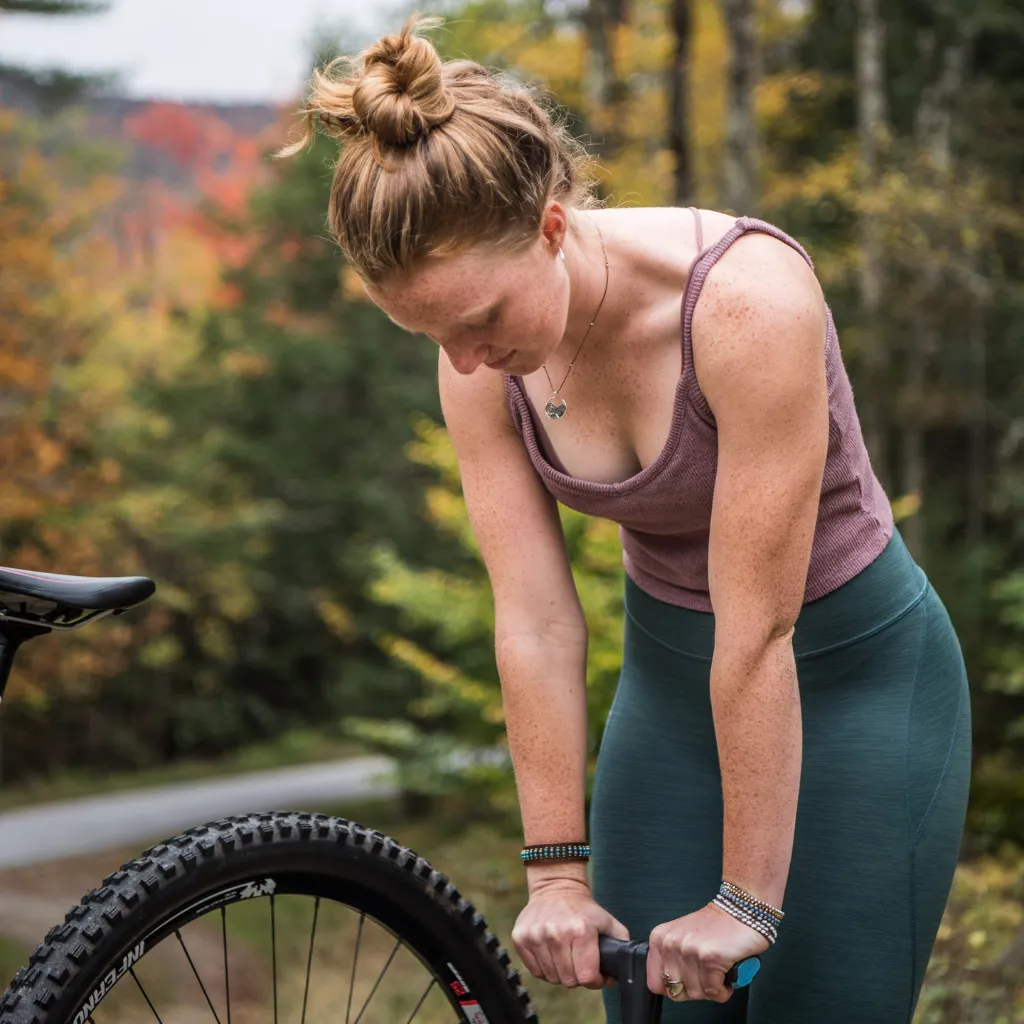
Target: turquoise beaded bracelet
point(555, 852)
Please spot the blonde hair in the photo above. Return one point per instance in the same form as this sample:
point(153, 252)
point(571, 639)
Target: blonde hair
point(436, 155)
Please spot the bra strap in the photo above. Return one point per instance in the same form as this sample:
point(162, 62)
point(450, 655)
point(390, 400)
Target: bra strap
point(699, 228)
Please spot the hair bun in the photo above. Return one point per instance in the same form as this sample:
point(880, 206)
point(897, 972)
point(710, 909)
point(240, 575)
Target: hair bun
point(401, 94)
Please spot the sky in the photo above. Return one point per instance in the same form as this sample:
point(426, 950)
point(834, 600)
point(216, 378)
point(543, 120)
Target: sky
point(216, 50)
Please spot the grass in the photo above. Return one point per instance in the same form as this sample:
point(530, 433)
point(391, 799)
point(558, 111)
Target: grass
point(12, 956)
point(976, 973)
point(298, 746)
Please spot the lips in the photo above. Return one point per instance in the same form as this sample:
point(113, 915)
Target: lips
point(500, 364)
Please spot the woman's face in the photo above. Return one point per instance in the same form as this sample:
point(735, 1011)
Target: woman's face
point(504, 311)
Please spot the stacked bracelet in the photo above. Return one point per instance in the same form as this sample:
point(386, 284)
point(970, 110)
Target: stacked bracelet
point(555, 852)
point(761, 916)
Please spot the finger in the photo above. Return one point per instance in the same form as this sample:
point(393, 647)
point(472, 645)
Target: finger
point(712, 979)
point(617, 930)
point(548, 968)
point(689, 973)
point(526, 954)
point(586, 958)
point(560, 947)
point(655, 967)
point(672, 971)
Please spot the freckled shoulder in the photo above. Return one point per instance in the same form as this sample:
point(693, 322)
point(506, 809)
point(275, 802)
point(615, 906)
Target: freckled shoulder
point(760, 289)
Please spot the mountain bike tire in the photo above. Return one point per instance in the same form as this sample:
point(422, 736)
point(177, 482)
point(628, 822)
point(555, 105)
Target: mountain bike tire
point(218, 864)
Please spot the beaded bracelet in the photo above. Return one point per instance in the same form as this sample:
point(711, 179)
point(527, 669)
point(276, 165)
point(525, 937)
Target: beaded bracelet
point(750, 908)
point(741, 894)
point(549, 852)
point(759, 915)
point(768, 931)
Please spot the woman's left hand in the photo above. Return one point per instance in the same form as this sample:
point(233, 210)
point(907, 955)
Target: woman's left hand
point(698, 950)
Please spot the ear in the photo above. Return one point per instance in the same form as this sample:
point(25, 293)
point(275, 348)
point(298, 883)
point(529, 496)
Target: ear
point(554, 226)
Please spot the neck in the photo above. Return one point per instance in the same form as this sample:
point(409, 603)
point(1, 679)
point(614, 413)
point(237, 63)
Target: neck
point(585, 264)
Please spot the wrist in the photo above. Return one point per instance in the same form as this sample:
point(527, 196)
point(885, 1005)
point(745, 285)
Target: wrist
point(541, 877)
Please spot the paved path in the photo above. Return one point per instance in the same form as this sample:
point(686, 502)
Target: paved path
point(68, 828)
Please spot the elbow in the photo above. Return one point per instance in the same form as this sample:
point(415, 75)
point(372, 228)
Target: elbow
point(780, 631)
point(753, 641)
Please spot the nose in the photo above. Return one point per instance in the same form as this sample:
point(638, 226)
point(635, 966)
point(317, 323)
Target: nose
point(467, 359)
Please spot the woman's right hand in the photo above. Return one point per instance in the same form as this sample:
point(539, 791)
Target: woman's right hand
point(557, 931)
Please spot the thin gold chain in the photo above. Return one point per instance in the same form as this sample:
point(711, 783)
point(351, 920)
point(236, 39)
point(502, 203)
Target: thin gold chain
point(554, 390)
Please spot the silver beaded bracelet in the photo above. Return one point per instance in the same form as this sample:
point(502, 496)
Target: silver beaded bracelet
point(759, 915)
point(769, 931)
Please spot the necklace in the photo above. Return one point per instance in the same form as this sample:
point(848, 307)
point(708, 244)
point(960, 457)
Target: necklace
point(556, 407)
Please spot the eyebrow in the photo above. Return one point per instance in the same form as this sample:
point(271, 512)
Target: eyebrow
point(477, 317)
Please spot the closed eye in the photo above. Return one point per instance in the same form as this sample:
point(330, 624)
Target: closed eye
point(492, 319)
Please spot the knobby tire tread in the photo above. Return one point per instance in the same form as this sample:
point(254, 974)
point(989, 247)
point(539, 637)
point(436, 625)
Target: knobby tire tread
point(93, 931)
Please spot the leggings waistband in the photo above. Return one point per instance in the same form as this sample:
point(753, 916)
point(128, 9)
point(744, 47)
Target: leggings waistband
point(880, 594)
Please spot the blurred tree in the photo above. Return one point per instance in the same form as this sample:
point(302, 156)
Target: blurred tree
point(53, 309)
point(931, 340)
point(274, 466)
point(445, 742)
point(740, 187)
point(605, 90)
point(231, 412)
point(679, 76)
point(54, 88)
point(872, 136)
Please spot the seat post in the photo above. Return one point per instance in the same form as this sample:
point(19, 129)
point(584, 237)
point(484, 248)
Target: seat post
point(12, 636)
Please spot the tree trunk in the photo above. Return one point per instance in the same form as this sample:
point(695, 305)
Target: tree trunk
point(740, 185)
point(871, 117)
point(933, 129)
point(681, 18)
point(605, 91)
point(977, 479)
point(977, 363)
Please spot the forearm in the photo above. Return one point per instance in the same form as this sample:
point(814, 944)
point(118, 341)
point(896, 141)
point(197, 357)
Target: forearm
point(756, 706)
point(543, 680)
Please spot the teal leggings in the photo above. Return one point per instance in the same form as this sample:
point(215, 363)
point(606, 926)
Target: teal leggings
point(883, 793)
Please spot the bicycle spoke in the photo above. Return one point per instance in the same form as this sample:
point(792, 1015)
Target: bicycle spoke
point(416, 1007)
point(423, 999)
point(380, 977)
point(309, 960)
point(196, 973)
point(131, 971)
point(227, 983)
point(355, 960)
point(273, 951)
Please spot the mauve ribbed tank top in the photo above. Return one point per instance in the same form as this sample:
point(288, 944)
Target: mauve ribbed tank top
point(664, 511)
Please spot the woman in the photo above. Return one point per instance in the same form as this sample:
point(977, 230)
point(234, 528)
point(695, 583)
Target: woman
point(792, 724)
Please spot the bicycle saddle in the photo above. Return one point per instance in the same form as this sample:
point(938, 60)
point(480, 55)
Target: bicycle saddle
point(47, 592)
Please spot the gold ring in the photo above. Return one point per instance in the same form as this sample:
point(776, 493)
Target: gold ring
point(674, 989)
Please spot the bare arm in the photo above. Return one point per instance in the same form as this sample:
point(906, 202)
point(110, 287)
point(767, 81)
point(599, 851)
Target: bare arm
point(540, 632)
point(759, 355)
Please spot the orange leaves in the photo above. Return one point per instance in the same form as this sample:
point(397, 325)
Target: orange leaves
point(186, 136)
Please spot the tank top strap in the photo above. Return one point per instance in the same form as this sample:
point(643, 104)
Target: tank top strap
point(699, 270)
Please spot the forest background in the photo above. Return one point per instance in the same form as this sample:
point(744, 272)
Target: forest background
point(193, 386)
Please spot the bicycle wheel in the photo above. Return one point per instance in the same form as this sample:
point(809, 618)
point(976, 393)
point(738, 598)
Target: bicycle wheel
point(310, 913)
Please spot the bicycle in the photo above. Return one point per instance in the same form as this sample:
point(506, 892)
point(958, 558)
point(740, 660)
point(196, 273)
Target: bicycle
point(258, 865)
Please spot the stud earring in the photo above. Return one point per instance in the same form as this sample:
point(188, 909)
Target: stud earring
point(561, 254)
